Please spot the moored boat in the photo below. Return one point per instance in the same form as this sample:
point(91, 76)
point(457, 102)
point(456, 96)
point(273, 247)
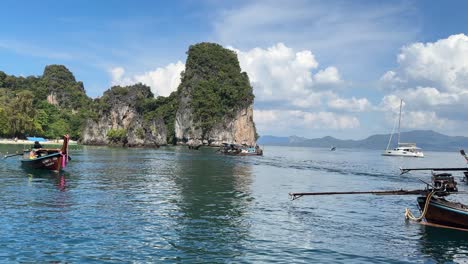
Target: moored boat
point(402, 149)
point(240, 150)
point(443, 212)
point(435, 209)
point(48, 159)
point(405, 150)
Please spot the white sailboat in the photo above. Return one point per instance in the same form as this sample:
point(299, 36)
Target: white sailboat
point(402, 149)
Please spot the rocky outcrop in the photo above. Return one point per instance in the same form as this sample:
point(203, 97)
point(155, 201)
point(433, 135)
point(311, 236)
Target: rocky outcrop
point(215, 99)
point(62, 88)
point(117, 113)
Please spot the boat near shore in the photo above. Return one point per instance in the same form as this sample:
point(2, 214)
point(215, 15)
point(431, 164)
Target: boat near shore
point(435, 209)
point(46, 158)
point(9, 141)
point(240, 150)
point(444, 213)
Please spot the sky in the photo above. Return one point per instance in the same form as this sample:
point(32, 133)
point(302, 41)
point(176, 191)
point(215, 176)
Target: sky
point(318, 68)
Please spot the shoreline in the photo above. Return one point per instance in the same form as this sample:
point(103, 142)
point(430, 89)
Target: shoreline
point(28, 142)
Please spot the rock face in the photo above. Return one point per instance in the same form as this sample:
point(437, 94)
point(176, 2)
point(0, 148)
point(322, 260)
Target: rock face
point(118, 113)
point(215, 99)
point(62, 88)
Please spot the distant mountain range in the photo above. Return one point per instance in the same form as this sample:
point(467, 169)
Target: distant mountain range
point(425, 139)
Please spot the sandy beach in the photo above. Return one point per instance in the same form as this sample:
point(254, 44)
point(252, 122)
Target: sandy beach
point(29, 142)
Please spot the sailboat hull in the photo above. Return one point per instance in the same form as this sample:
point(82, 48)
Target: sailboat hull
point(403, 153)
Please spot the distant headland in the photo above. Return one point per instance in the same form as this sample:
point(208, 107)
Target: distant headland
point(426, 139)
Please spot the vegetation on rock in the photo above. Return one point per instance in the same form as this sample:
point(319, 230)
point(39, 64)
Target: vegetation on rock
point(117, 136)
point(55, 103)
point(50, 105)
point(161, 107)
point(218, 86)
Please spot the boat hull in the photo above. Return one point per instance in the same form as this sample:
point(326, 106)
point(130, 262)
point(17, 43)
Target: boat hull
point(50, 162)
point(443, 212)
point(403, 154)
point(243, 154)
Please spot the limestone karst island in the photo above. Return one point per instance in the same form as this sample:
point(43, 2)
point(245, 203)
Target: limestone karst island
point(212, 105)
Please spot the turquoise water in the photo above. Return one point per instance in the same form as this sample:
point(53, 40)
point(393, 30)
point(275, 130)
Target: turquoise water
point(173, 204)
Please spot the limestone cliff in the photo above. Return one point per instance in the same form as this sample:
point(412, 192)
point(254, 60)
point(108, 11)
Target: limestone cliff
point(215, 99)
point(119, 120)
point(62, 89)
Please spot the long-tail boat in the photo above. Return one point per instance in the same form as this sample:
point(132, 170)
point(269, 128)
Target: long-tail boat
point(435, 209)
point(45, 158)
point(240, 150)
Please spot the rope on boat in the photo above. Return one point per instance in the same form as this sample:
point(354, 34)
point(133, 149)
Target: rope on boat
point(409, 215)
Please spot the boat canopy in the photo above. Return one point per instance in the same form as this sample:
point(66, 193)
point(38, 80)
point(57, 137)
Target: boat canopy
point(38, 139)
point(407, 145)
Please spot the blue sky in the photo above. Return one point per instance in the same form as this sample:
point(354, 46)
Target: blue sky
point(318, 67)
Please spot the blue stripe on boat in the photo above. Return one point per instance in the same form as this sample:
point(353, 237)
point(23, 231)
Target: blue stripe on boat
point(458, 211)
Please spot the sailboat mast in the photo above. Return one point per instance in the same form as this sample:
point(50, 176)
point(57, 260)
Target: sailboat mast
point(399, 122)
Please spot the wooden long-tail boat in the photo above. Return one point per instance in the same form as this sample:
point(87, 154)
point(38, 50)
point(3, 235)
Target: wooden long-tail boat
point(48, 159)
point(435, 209)
point(240, 150)
point(445, 213)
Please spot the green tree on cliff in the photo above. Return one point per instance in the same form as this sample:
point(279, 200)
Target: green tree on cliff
point(219, 87)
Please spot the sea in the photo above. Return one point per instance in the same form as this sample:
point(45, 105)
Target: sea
point(172, 205)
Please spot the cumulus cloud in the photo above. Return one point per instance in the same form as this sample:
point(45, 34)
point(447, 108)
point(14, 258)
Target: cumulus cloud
point(289, 122)
point(279, 73)
point(442, 64)
point(391, 103)
point(426, 120)
point(352, 105)
point(329, 75)
point(162, 81)
point(432, 79)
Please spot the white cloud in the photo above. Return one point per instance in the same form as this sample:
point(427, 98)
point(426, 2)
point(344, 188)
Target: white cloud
point(442, 64)
point(426, 120)
point(351, 105)
point(117, 74)
point(328, 76)
point(429, 96)
point(279, 73)
point(431, 77)
point(391, 103)
point(162, 81)
point(289, 122)
point(265, 117)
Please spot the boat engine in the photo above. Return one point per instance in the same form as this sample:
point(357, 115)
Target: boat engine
point(444, 183)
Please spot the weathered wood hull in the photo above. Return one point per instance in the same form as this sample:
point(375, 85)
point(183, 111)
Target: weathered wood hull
point(443, 212)
point(50, 162)
point(242, 154)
